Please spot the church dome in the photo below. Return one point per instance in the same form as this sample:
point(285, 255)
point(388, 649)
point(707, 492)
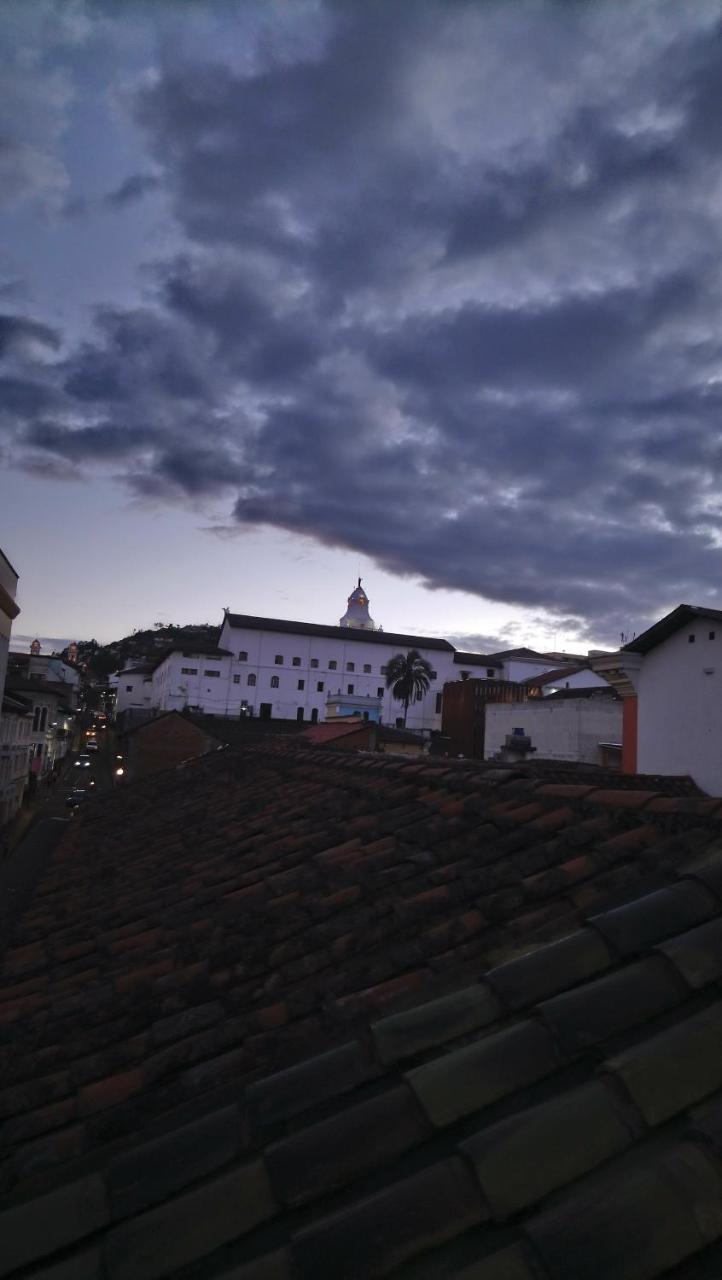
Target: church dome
point(357, 612)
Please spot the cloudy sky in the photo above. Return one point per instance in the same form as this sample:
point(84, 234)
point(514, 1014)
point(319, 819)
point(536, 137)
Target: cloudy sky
point(428, 291)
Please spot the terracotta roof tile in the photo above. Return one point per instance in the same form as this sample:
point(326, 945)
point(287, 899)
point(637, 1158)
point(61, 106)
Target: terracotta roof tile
point(292, 1011)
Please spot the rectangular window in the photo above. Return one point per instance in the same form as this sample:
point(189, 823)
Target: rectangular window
point(251, 679)
point(211, 673)
point(278, 659)
point(296, 662)
point(349, 688)
point(236, 679)
point(380, 691)
point(367, 668)
point(712, 635)
point(129, 688)
point(243, 656)
point(383, 671)
point(438, 703)
point(691, 639)
point(275, 682)
point(350, 666)
point(490, 672)
point(314, 662)
point(188, 671)
point(319, 686)
point(332, 664)
point(302, 684)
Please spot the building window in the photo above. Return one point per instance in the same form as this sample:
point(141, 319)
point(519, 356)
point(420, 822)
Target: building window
point(319, 686)
point(275, 682)
point(251, 679)
point(712, 635)
point(314, 662)
point(243, 656)
point(350, 666)
point(332, 664)
point(236, 679)
point(299, 715)
point(383, 671)
point(349, 688)
point(129, 688)
point(302, 684)
point(211, 673)
point(185, 671)
point(380, 691)
point(367, 668)
point(278, 659)
point(690, 639)
point(314, 715)
point(295, 662)
point(490, 672)
point(438, 703)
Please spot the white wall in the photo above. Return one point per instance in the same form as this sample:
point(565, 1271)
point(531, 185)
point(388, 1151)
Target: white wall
point(560, 729)
point(680, 707)
point(134, 690)
point(524, 668)
point(223, 696)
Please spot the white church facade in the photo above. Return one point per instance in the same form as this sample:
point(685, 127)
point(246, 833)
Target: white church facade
point(271, 668)
point(277, 669)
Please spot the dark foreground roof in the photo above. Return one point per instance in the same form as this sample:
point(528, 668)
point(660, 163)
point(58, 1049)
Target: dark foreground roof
point(248, 622)
point(286, 1014)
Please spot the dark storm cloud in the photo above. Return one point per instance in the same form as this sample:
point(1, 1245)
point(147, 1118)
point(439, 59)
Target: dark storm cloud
point(448, 294)
point(132, 189)
point(17, 333)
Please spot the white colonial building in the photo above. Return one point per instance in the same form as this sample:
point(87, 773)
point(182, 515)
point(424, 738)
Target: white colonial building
point(276, 669)
point(271, 668)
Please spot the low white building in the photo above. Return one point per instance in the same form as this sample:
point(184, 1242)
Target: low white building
point(671, 681)
point(576, 726)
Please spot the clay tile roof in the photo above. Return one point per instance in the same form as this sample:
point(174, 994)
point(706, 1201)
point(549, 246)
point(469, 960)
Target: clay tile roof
point(287, 1012)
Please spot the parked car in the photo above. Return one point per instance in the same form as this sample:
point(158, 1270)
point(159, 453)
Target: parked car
point(91, 745)
point(82, 761)
point(75, 798)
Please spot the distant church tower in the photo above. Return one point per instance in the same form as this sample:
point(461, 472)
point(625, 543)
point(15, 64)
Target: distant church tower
point(357, 613)
point(35, 647)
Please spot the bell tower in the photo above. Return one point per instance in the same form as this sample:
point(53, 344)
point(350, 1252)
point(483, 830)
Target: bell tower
point(357, 611)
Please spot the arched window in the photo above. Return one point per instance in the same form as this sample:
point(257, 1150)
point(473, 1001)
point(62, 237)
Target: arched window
point(251, 679)
point(275, 682)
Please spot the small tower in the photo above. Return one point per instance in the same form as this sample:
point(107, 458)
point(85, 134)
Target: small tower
point(357, 613)
point(35, 648)
point(72, 652)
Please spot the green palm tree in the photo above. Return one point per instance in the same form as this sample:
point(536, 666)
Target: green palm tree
point(408, 676)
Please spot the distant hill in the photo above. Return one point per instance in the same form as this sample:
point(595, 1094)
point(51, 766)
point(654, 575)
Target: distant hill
point(102, 660)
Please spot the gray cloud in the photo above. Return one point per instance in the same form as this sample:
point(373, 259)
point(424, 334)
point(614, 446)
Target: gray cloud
point(131, 189)
point(441, 299)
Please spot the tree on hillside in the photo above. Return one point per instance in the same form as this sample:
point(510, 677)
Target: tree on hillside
point(408, 676)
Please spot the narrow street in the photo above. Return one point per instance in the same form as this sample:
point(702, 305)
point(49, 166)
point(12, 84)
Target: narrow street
point(48, 818)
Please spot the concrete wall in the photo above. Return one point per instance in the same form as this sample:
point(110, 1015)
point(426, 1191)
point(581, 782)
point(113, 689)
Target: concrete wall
point(680, 707)
point(564, 729)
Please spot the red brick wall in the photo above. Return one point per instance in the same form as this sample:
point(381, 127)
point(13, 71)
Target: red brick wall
point(163, 743)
